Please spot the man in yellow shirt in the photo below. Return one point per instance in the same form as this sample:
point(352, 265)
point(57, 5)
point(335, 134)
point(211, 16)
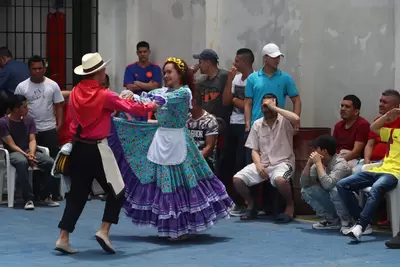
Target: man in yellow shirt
point(381, 179)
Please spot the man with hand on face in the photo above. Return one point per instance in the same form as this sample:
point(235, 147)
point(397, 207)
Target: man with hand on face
point(271, 142)
point(318, 181)
point(142, 76)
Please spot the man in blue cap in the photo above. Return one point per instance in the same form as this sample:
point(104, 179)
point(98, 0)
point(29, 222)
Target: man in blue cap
point(211, 87)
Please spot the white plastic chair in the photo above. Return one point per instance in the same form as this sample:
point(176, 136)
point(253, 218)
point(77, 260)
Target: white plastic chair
point(10, 173)
point(393, 198)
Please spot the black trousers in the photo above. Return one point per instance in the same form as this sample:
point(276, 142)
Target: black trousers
point(85, 166)
point(234, 159)
point(48, 139)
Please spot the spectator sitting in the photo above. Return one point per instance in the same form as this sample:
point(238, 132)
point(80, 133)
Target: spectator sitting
point(381, 179)
point(351, 133)
point(318, 181)
point(375, 150)
point(204, 129)
point(271, 141)
point(17, 131)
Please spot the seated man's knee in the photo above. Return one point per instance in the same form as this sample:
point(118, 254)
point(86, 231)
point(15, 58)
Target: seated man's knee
point(46, 162)
point(341, 184)
point(307, 193)
point(280, 181)
point(334, 195)
point(20, 162)
point(311, 192)
point(237, 181)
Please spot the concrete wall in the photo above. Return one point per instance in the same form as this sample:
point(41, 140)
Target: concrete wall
point(332, 48)
point(172, 27)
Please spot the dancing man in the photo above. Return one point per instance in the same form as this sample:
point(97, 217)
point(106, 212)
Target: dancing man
point(91, 158)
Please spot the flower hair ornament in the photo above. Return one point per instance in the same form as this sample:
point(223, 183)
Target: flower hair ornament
point(178, 62)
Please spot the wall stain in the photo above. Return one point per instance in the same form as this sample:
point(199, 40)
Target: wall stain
point(177, 10)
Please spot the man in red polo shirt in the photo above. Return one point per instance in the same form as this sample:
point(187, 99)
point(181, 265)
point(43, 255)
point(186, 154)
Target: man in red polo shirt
point(351, 133)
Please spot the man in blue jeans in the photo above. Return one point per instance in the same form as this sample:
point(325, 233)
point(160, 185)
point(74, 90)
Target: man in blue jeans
point(318, 180)
point(381, 179)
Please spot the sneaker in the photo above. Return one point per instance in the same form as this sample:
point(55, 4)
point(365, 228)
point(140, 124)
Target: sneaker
point(394, 243)
point(49, 203)
point(345, 226)
point(29, 205)
point(355, 233)
point(367, 230)
point(325, 224)
point(238, 211)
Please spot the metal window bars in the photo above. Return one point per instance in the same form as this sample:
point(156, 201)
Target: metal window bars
point(25, 30)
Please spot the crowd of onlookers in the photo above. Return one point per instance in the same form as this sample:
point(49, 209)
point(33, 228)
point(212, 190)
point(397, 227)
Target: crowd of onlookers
point(242, 128)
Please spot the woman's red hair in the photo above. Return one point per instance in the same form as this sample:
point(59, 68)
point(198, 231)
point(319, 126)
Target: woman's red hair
point(187, 75)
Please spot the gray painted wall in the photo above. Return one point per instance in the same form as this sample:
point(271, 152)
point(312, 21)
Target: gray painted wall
point(332, 48)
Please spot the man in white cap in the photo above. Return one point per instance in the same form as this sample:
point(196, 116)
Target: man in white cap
point(269, 80)
point(91, 158)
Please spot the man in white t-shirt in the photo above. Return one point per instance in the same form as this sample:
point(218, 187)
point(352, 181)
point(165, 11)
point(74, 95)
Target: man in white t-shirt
point(45, 103)
point(233, 96)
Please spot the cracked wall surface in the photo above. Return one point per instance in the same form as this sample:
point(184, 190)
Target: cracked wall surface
point(332, 48)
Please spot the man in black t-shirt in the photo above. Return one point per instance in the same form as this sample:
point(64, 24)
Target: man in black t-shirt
point(212, 85)
point(211, 88)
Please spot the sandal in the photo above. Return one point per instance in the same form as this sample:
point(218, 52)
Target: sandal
point(283, 218)
point(250, 214)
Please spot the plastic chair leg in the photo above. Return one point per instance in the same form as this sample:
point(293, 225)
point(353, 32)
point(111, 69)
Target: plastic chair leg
point(11, 187)
point(2, 173)
point(394, 211)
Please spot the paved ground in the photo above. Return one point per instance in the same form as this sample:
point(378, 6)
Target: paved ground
point(28, 238)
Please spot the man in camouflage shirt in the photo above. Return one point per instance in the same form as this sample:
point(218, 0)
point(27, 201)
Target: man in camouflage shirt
point(204, 129)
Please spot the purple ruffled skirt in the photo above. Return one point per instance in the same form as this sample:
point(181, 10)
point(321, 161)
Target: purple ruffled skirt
point(178, 199)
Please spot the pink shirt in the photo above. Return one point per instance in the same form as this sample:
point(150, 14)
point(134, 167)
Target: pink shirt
point(100, 129)
point(275, 144)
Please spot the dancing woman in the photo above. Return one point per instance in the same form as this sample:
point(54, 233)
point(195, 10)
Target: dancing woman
point(169, 185)
point(91, 158)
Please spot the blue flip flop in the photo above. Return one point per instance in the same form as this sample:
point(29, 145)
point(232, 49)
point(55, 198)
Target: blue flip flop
point(283, 218)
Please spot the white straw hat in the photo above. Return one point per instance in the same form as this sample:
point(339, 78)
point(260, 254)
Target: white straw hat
point(91, 63)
